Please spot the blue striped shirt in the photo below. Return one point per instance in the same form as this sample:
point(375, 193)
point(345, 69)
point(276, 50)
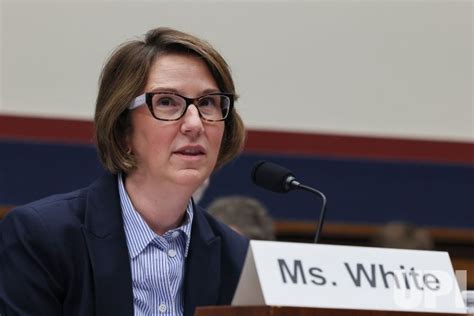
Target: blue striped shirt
point(157, 262)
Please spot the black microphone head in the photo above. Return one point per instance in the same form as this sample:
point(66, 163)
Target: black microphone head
point(272, 176)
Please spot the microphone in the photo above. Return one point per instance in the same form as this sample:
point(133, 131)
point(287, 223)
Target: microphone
point(276, 178)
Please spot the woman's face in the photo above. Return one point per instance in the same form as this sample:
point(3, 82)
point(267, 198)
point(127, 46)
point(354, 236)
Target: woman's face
point(182, 152)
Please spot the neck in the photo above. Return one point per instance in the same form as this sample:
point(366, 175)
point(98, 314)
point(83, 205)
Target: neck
point(161, 206)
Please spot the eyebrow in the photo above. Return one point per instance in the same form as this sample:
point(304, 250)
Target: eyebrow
point(172, 90)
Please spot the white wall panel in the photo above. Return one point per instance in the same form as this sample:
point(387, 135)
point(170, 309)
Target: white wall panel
point(387, 68)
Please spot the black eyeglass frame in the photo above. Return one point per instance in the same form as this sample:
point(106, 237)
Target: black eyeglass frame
point(189, 101)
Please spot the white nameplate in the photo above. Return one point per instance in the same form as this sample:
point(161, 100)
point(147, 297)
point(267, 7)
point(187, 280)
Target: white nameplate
point(326, 276)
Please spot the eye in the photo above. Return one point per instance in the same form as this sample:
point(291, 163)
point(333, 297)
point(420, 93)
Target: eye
point(209, 101)
point(165, 101)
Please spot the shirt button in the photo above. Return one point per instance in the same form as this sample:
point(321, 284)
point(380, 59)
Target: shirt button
point(162, 308)
point(175, 234)
point(172, 253)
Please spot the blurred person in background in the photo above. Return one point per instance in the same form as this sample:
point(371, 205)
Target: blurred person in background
point(402, 236)
point(133, 242)
point(245, 215)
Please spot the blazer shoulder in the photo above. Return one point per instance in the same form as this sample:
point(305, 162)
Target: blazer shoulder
point(57, 206)
point(72, 200)
point(55, 199)
point(56, 213)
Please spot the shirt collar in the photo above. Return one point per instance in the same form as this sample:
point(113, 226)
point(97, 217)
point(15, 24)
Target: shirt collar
point(137, 231)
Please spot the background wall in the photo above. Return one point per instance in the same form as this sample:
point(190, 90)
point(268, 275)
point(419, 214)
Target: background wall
point(370, 101)
point(385, 68)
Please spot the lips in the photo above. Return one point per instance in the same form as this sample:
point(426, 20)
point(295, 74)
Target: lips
point(191, 150)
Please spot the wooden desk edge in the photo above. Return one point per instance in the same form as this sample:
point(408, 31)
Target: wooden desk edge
point(301, 311)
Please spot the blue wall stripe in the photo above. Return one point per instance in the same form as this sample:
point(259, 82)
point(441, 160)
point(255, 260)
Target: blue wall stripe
point(358, 191)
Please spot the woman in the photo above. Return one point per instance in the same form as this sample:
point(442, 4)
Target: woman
point(133, 242)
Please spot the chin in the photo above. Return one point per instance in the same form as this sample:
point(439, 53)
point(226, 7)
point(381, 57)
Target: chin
point(190, 177)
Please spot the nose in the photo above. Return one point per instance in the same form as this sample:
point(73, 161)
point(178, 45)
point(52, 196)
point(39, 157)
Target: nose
point(192, 123)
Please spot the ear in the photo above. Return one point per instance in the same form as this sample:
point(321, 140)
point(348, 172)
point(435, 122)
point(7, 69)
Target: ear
point(127, 143)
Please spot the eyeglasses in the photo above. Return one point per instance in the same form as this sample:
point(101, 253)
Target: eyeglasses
point(169, 106)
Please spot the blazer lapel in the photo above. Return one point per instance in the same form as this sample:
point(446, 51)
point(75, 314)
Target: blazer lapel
point(202, 275)
point(106, 242)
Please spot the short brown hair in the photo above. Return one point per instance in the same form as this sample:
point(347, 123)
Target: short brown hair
point(124, 77)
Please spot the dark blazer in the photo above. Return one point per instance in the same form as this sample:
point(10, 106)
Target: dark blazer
point(67, 255)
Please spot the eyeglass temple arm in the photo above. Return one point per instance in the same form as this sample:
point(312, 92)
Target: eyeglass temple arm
point(138, 101)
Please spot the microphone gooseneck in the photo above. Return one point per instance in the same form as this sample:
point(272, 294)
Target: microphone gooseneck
point(278, 179)
point(322, 213)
